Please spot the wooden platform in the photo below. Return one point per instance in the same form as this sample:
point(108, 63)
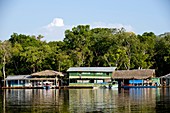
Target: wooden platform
point(60, 87)
point(74, 87)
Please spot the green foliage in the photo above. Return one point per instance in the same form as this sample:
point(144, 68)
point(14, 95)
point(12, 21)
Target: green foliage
point(83, 46)
point(162, 54)
point(78, 42)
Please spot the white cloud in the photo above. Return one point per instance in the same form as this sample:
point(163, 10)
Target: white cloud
point(53, 33)
point(57, 22)
point(56, 29)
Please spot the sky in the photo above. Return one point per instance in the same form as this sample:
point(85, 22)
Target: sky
point(51, 18)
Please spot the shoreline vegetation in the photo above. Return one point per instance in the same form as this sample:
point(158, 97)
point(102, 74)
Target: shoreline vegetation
point(85, 47)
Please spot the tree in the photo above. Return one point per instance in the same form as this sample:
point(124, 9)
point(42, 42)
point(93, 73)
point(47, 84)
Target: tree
point(162, 56)
point(39, 37)
point(77, 43)
point(126, 44)
point(5, 51)
point(30, 50)
point(35, 56)
point(59, 59)
point(148, 41)
point(100, 42)
point(83, 46)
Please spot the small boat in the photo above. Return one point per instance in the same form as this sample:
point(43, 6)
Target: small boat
point(112, 85)
point(47, 84)
point(96, 87)
point(107, 85)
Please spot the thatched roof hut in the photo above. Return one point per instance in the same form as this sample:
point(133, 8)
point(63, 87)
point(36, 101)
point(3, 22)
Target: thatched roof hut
point(134, 74)
point(47, 73)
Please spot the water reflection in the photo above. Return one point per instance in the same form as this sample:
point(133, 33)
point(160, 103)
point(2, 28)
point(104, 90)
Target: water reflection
point(163, 101)
point(85, 100)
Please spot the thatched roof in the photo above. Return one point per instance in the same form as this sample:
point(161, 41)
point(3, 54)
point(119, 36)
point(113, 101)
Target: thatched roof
point(133, 74)
point(47, 73)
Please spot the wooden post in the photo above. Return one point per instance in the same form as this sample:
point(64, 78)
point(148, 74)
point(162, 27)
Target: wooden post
point(6, 83)
point(41, 83)
point(161, 82)
point(18, 83)
point(4, 69)
point(142, 82)
point(4, 101)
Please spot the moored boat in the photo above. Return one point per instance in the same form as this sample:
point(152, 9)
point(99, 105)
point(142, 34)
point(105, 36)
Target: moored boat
point(107, 85)
point(112, 85)
point(47, 85)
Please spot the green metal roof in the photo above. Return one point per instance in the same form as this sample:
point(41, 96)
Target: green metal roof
point(91, 69)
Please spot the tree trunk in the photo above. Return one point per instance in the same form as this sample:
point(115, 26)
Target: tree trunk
point(4, 69)
point(107, 61)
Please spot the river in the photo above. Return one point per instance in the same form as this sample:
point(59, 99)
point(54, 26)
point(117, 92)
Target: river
point(134, 100)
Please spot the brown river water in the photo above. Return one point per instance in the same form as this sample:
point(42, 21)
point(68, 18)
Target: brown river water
point(134, 100)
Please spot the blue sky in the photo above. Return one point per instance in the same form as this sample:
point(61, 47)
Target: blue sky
point(52, 17)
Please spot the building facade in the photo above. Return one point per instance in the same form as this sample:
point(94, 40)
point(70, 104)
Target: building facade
point(41, 79)
point(136, 77)
point(89, 75)
point(18, 81)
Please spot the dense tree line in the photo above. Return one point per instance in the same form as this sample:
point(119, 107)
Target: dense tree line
point(82, 46)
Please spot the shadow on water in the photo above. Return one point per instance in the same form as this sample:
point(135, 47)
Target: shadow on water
point(163, 101)
point(133, 100)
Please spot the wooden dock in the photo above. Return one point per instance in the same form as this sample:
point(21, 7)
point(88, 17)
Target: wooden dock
point(57, 87)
